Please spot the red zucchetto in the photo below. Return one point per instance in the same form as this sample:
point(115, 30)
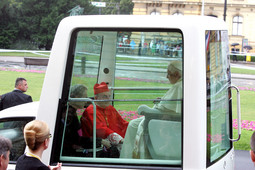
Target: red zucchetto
point(100, 88)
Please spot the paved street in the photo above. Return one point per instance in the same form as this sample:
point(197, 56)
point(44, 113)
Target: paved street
point(243, 160)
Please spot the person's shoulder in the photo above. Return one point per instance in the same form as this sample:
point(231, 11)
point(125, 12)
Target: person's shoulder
point(88, 110)
point(20, 93)
point(17, 91)
point(6, 94)
point(25, 162)
point(21, 158)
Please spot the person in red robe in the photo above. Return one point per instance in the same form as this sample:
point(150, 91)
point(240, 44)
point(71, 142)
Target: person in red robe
point(109, 124)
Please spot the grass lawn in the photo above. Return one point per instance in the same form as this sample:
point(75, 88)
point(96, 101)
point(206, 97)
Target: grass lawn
point(244, 142)
point(242, 71)
point(35, 81)
point(25, 54)
point(247, 105)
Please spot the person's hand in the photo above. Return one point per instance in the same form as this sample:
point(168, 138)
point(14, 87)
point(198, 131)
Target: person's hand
point(57, 167)
point(114, 138)
point(106, 143)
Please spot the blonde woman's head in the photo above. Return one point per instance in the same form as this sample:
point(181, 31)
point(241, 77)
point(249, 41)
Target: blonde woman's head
point(35, 133)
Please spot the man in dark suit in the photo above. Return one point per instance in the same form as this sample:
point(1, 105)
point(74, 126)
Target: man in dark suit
point(17, 96)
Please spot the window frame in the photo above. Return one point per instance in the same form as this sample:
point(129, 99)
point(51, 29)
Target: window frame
point(208, 149)
point(56, 147)
point(237, 26)
point(27, 118)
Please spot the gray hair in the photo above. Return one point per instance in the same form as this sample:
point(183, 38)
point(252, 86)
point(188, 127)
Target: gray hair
point(5, 146)
point(77, 90)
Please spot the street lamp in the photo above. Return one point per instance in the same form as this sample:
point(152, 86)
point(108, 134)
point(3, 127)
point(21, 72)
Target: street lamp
point(225, 10)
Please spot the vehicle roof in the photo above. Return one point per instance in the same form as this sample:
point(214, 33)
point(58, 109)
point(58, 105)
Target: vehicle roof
point(23, 110)
point(144, 21)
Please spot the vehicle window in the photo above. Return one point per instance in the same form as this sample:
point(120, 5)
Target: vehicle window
point(218, 95)
point(125, 98)
point(13, 129)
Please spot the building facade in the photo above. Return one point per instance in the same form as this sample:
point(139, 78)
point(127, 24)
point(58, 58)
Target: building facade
point(240, 15)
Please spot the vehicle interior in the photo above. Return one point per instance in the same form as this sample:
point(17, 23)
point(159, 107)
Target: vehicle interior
point(134, 65)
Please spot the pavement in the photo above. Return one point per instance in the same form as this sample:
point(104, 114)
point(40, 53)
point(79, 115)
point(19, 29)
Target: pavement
point(242, 158)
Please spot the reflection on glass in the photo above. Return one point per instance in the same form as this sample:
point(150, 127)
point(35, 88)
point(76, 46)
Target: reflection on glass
point(218, 81)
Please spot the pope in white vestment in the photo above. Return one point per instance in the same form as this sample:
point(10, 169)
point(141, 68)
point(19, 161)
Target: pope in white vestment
point(133, 146)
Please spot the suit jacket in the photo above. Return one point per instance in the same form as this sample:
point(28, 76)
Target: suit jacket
point(14, 98)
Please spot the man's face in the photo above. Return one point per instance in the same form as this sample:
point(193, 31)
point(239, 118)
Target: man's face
point(104, 96)
point(23, 86)
point(5, 161)
point(172, 76)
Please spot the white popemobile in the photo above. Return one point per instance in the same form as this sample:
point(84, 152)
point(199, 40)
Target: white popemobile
point(131, 54)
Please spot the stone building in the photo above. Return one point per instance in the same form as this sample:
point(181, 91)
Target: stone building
point(240, 14)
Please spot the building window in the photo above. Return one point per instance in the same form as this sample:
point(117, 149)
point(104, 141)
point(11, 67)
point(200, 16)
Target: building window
point(237, 25)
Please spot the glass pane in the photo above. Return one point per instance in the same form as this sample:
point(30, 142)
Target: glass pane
point(236, 19)
point(13, 129)
point(235, 29)
point(240, 19)
point(240, 29)
point(142, 86)
point(218, 95)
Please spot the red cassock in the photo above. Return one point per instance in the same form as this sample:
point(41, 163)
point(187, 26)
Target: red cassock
point(108, 121)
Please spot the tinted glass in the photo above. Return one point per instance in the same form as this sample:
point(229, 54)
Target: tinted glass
point(218, 94)
point(139, 113)
point(13, 129)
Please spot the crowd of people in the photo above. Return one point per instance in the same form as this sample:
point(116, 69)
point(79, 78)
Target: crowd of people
point(150, 48)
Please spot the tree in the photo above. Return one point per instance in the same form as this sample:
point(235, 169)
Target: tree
point(35, 21)
point(8, 26)
point(118, 7)
point(126, 6)
point(38, 20)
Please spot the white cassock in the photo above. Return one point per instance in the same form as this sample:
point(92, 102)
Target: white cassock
point(133, 146)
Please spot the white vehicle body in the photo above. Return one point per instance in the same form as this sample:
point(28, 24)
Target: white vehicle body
point(194, 133)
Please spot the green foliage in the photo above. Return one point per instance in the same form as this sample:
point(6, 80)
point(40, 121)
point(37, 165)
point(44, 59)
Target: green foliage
point(34, 21)
point(118, 7)
point(8, 25)
point(242, 58)
point(126, 7)
point(31, 24)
